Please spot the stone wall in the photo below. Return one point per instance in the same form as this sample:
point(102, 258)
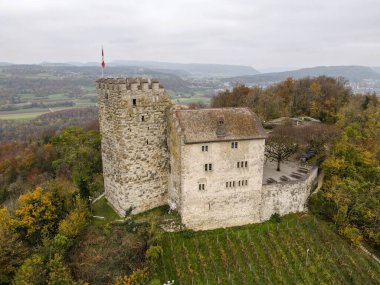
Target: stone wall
point(175, 143)
point(132, 116)
point(287, 197)
point(217, 205)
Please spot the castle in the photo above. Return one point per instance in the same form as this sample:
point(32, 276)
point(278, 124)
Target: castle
point(206, 162)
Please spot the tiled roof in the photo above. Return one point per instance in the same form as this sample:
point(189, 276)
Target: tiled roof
point(201, 125)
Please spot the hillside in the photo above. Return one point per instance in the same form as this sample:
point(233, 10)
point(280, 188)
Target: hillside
point(194, 69)
point(352, 73)
point(299, 250)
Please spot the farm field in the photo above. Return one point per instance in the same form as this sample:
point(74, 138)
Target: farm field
point(30, 113)
point(300, 249)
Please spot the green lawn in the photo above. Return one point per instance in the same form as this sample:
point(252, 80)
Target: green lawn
point(267, 253)
point(103, 209)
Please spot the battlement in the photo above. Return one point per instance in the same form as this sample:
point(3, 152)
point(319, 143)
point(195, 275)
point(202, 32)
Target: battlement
point(122, 83)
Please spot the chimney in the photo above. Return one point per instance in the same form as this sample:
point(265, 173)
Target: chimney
point(220, 128)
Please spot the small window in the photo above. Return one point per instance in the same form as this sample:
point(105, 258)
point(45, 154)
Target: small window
point(239, 183)
point(147, 142)
point(134, 102)
point(234, 145)
point(226, 184)
point(230, 184)
point(238, 164)
point(246, 164)
point(233, 184)
point(208, 167)
point(142, 118)
point(246, 182)
point(204, 147)
point(201, 186)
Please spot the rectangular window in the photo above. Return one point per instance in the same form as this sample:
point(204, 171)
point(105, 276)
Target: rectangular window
point(246, 164)
point(230, 184)
point(201, 186)
point(134, 102)
point(238, 164)
point(239, 182)
point(142, 118)
point(234, 145)
point(233, 183)
point(226, 184)
point(208, 167)
point(246, 182)
point(204, 147)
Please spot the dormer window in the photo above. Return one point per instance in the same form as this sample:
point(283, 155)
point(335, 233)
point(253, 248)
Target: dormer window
point(220, 127)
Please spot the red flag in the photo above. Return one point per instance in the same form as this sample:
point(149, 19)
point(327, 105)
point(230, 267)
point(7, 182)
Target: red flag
point(103, 63)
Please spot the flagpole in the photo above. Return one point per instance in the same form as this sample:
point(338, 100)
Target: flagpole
point(103, 64)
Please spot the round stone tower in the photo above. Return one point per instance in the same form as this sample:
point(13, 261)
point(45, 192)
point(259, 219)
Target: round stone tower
point(132, 117)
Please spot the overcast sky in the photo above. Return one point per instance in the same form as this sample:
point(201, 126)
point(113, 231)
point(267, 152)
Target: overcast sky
point(260, 33)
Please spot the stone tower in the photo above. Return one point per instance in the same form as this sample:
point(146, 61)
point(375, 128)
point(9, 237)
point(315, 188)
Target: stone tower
point(132, 116)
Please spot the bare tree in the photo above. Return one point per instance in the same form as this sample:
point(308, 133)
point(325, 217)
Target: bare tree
point(280, 146)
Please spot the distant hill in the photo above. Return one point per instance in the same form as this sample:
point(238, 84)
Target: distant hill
point(376, 68)
point(194, 69)
point(5, 63)
point(352, 73)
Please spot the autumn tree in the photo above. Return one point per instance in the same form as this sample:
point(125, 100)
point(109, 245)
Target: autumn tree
point(12, 249)
point(38, 214)
point(32, 272)
point(72, 225)
point(280, 146)
point(59, 273)
point(80, 157)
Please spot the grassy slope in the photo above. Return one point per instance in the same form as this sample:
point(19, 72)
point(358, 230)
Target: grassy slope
point(268, 253)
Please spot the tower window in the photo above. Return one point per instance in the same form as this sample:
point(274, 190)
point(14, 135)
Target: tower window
point(134, 102)
point(208, 167)
point(147, 142)
point(142, 118)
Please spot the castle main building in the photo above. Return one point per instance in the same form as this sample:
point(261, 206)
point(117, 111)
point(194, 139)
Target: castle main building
point(208, 162)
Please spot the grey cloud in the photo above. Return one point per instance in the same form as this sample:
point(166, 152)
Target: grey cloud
point(261, 33)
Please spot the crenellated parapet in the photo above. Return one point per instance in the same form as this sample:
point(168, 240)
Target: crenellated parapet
point(133, 84)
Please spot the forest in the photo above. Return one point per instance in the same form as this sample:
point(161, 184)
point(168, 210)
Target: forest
point(50, 166)
point(350, 196)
